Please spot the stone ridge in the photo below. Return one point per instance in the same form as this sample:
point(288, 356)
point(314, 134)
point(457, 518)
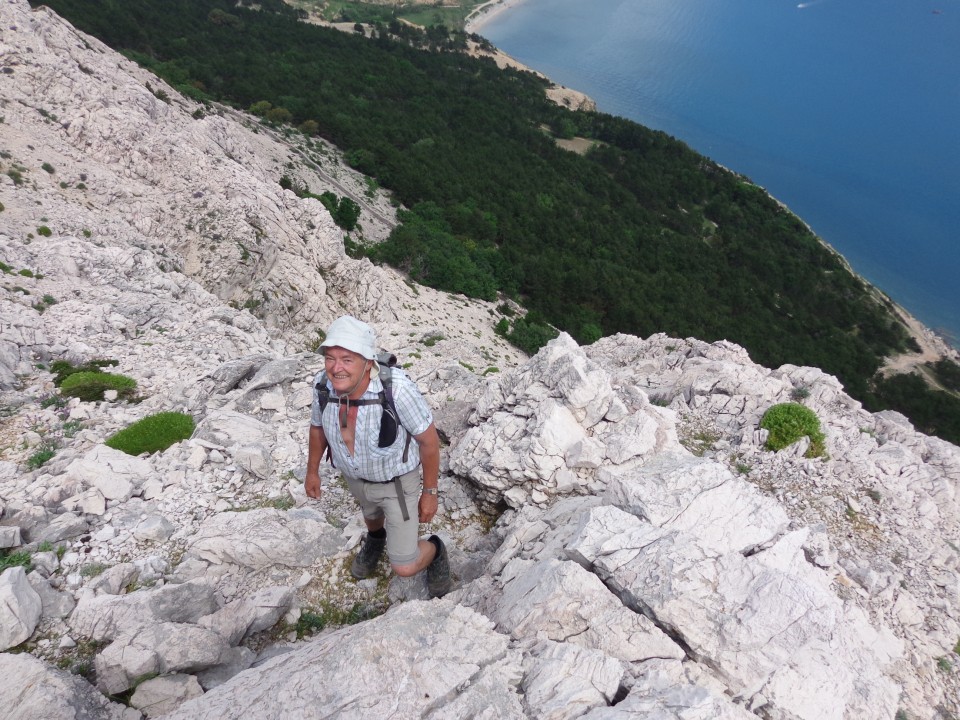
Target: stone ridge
point(623, 544)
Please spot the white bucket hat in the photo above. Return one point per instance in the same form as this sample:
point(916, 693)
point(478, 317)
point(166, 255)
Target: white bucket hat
point(351, 334)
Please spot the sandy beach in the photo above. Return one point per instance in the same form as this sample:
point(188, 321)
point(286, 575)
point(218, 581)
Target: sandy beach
point(482, 14)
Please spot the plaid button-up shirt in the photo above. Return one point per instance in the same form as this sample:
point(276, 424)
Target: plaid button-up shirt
point(369, 461)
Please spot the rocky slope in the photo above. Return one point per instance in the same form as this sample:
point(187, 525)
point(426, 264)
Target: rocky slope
point(649, 558)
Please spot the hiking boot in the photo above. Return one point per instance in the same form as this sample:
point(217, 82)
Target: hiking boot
point(367, 557)
point(438, 571)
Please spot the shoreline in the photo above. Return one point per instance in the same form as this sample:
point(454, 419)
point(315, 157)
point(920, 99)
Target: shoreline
point(482, 14)
point(928, 338)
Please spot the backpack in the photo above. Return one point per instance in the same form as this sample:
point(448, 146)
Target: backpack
point(389, 419)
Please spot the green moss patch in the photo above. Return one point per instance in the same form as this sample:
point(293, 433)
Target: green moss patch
point(788, 422)
point(153, 433)
point(91, 386)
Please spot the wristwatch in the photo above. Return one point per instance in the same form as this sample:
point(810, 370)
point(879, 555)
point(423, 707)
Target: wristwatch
point(430, 491)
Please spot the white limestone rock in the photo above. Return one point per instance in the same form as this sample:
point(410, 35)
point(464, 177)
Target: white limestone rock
point(20, 608)
point(426, 654)
point(158, 696)
point(264, 537)
point(664, 691)
point(30, 689)
point(154, 528)
point(63, 527)
point(564, 681)
point(104, 617)
point(88, 502)
point(54, 604)
point(234, 660)
point(114, 580)
point(161, 648)
point(274, 373)
point(10, 537)
point(561, 601)
point(228, 428)
point(115, 474)
point(251, 614)
point(768, 623)
point(684, 492)
point(254, 458)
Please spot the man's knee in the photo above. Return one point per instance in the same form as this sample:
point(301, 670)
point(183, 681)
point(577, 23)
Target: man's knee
point(408, 570)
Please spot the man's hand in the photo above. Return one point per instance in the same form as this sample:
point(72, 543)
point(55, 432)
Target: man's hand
point(311, 483)
point(427, 507)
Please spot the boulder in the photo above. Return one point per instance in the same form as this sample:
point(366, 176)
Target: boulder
point(115, 474)
point(564, 681)
point(228, 428)
point(273, 373)
point(161, 695)
point(260, 538)
point(63, 527)
point(160, 648)
point(421, 658)
point(256, 612)
point(693, 494)
point(54, 604)
point(30, 689)
point(665, 690)
point(768, 623)
point(10, 537)
point(20, 608)
point(104, 617)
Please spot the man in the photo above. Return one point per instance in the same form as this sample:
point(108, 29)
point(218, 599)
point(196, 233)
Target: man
point(382, 472)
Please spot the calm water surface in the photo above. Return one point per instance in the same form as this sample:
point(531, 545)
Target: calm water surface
point(846, 110)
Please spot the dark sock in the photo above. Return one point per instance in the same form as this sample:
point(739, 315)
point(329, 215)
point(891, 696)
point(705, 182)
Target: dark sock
point(378, 534)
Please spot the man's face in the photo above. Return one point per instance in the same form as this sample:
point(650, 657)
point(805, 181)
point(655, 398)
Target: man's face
point(344, 368)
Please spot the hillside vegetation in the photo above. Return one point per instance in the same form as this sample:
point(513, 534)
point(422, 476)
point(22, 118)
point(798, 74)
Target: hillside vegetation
point(641, 235)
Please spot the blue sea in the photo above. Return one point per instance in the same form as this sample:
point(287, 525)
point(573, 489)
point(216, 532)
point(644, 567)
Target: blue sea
point(848, 111)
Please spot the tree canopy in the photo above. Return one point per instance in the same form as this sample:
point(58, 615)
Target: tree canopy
point(641, 235)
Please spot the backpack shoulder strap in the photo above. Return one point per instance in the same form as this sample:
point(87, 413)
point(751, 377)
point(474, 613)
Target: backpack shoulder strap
point(323, 392)
point(386, 397)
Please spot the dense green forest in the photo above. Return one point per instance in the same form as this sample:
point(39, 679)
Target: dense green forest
point(641, 235)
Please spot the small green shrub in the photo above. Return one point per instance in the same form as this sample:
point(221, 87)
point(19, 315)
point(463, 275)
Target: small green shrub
point(44, 231)
point(63, 369)
point(788, 422)
point(93, 569)
point(152, 433)
point(9, 559)
point(45, 451)
point(48, 168)
point(90, 386)
point(329, 614)
point(26, 272)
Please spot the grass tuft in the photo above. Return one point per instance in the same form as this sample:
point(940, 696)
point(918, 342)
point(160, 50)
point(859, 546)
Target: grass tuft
point(152, 433)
